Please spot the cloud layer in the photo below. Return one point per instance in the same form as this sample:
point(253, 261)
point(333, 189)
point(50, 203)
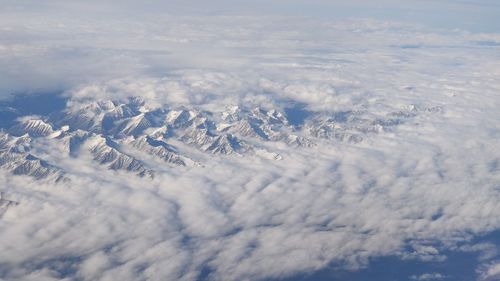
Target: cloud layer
point(416, 191)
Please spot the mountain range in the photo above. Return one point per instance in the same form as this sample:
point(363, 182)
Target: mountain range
point(124, 134)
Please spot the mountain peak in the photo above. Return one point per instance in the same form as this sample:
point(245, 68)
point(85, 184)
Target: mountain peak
point(122, 134)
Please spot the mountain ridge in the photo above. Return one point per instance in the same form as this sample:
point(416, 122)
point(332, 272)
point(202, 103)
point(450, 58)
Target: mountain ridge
point(109, 129)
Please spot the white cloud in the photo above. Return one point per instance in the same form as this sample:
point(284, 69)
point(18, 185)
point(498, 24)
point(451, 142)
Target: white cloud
point(427, 276)
point(489, 271)
point(431, 179)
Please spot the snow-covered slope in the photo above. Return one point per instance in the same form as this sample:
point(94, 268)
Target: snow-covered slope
point(33, 127)
point(109, 129)
point(15, 157)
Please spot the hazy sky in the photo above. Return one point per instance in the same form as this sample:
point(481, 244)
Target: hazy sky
point(476, 16)
point(42, 42)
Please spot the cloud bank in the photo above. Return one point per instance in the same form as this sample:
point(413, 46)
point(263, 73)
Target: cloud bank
point(428, 186)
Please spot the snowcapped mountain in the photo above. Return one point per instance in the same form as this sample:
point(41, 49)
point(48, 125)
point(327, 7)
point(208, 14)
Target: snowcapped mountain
point(15, 157)
point(106, 152)
point(161, 150)
point(122, 134)
point(33, 127)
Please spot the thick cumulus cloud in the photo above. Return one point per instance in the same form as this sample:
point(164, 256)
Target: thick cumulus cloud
point(414, 192)
point(426, 187)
